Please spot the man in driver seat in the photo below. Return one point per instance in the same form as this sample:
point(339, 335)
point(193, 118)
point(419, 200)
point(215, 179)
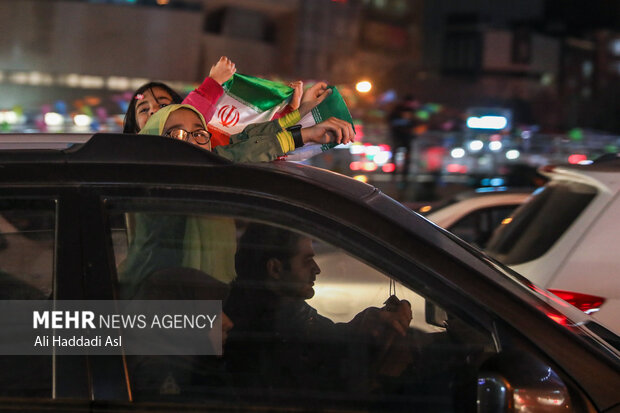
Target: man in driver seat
point(280, 341)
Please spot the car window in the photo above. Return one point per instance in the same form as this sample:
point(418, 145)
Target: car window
point(27, 237)
point(535, 227)
point(310, 323)
point(477, 227)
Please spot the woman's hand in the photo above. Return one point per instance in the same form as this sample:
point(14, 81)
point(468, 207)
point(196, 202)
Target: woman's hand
point(222, 70)
point(298, 90)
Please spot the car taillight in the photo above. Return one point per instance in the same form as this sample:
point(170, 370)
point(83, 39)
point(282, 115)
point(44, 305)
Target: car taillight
point(585, 302)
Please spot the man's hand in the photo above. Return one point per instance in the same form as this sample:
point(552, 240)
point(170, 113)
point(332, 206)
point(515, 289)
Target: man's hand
point(387, 328)
point(222, 70)
point(331, 130)
point(312, 97)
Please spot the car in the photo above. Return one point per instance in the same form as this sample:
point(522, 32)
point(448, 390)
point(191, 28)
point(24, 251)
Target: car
point(474, 215)
point(76, 217)
point(564, 238)
point(470, 215)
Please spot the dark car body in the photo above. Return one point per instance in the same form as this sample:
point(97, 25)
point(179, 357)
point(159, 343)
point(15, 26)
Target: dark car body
point(526, 331)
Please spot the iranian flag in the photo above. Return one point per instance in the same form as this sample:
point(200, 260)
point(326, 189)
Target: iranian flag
point(249, 99)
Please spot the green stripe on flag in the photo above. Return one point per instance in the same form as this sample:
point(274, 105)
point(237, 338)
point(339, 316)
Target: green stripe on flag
point(333, 105)
point(259, 94)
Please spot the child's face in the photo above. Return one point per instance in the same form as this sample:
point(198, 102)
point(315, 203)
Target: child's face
point(150, 102)
point(188, 121)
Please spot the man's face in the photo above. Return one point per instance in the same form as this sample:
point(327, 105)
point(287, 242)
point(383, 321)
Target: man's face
point(298, 275)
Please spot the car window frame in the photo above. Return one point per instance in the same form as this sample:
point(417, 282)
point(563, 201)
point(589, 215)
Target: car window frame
point(71, 379)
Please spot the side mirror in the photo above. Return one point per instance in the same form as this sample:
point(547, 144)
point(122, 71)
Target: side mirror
point(515, 382)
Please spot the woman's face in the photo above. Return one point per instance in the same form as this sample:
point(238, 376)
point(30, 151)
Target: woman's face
point(150, 102)
point(187, 120)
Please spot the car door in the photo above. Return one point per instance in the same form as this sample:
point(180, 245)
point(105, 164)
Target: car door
point(324, 355)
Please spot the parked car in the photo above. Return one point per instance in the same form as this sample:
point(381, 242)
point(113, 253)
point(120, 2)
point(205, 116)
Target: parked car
point(486, 339)
point(564, 239)
point(474, 215)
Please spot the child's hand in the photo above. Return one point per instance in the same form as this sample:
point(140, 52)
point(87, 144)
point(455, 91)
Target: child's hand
point(222, 70)
point(312, 97)
point(298, 91)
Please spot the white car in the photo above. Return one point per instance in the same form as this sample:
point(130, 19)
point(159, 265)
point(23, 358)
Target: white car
point(471, 215)
point(565, 238)
point(474, 215)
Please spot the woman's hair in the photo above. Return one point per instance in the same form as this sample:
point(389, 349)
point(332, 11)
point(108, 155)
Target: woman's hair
point(129, 124)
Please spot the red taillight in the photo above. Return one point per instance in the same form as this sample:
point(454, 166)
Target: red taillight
point(585, 302)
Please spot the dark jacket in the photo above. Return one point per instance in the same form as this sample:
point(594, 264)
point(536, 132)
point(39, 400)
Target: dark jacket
point(286, 346)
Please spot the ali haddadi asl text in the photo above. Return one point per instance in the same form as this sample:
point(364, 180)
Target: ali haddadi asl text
point(78, 341)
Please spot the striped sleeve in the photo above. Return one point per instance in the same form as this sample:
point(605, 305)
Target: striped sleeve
point(289, 119)
point(286, 141)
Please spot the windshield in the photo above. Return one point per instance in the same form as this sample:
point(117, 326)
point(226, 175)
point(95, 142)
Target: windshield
point(536, 226)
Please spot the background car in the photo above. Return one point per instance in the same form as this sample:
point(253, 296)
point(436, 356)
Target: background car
point(474, 215)
point(470, 215)
point(486, 339)
point(565, 238)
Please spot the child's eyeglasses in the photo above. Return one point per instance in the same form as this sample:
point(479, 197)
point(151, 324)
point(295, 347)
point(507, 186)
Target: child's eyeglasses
point(201, 136)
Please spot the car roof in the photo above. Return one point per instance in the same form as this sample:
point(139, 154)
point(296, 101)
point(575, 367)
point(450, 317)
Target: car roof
point(499, 194)
point(599, 173)
point(153, 150)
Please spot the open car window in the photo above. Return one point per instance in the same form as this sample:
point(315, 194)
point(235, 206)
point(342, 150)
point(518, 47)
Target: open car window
point(307, 322)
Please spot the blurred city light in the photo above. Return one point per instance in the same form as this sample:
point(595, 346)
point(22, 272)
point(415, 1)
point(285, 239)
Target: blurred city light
point(577, 158)
point(513, 154)
point(372, 150)
point(388, 168)
point(82, 120)
point(457, 153)
point(363, 86)
point(53, 119)
point(361, 178)
point(487, 122)
point(495, 145)
point(355, 166)
point(476, 145)
point(456, 168)
point(356, 149)
point(382, 158)
point(9, 116)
